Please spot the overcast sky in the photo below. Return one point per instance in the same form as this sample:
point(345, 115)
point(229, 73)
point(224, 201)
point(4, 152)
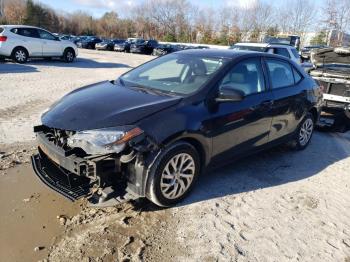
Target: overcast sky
point(98, 7)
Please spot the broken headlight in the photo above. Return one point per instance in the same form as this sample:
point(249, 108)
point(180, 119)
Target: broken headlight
point(103, 141)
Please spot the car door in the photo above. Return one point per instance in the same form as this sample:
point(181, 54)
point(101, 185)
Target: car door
point(288, 95)
point(238, 127)
point(51, 44)
point(30, 40)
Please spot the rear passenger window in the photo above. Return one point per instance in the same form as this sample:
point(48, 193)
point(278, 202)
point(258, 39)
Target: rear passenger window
point(282, 52)
point(281, 73)
point(297, 76)
point(28, 32)
point(1, 29)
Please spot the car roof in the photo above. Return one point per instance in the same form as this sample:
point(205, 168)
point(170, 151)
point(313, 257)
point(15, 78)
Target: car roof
point(15, 26)
point(265, 45)
point(228, 53)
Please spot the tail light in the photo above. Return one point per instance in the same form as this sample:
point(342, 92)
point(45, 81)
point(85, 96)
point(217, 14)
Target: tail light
point(3, 38)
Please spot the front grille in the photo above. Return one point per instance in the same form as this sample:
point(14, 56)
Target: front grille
point(58, 137)
point(339, 90)
point(61, 180)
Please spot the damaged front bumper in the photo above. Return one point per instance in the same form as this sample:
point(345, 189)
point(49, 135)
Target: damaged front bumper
point(105, 180)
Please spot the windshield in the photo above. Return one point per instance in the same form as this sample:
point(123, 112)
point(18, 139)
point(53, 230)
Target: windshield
point(248, 48)
point(176, 73)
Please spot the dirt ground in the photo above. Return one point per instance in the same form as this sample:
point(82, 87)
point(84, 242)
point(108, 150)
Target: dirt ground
point(278, 205)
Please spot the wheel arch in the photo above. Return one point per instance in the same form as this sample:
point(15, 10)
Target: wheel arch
point(69, 48)
point(196, 141)
point(20, 46)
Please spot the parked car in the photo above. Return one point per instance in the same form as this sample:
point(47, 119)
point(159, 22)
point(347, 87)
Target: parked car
point(108, 44)
point(66, 37)
point(151, 132)
point(165, 49)
point(125, 46)
point(89, 43)
point(143, 46)
point(332, 70)
point(306, 51)
point(20, 42)
point(78, 39)
point(278, 49)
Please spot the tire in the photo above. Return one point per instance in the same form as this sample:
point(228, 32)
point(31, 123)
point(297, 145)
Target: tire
point(176, 185)
point(304, 133)
point(68, 55)
point(20, 55)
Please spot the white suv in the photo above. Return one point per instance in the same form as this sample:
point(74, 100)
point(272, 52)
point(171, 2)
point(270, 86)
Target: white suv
point(278, 49)
point(20, 42)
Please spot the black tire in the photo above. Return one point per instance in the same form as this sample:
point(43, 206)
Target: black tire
point(154, 192)
point(68, 55)
point(20, 55)
point(304, 133)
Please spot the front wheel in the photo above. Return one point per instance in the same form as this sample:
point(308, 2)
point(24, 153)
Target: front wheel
point(68, 55)
point(173, 174)
point(304, 133)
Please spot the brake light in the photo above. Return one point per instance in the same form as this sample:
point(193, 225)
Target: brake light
point(3, 38)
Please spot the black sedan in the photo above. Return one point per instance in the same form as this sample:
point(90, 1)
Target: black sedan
point(165, 49)
point(108, 44)
point(143, 46)
point(151, 132)
point(89, 43)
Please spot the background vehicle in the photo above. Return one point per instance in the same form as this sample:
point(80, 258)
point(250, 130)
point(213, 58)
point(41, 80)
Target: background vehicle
point(293, 40)
point(143, 47)
point(278, 49)
point(306, 51)
point(22, 42)
point(108, 44)
point(152, 132)
point(332, 70)
point(125, 46)
point(89, 43)
point(165, 49)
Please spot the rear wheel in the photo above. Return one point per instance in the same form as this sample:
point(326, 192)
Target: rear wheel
point(68, 55)
point(173, 174)
point(304, 133)
point(20, 55)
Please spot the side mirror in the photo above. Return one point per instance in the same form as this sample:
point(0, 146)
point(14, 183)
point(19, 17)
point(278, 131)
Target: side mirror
point(230, 94)
point(57, 38)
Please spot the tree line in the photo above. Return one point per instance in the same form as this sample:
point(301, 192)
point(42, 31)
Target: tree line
point(182, 21)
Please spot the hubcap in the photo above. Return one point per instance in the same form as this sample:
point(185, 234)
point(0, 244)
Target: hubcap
point(20, 55)
point(70, 56)
point(177, 176)
point(306, 132)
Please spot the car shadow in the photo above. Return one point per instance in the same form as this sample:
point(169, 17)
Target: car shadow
point(274, 167)
point(77, 63)
point(16, 68)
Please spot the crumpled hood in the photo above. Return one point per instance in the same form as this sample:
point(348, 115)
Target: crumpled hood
point(323, 56)
point(104, 105)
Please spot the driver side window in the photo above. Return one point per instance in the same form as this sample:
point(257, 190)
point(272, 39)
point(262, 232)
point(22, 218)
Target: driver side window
point(246, 76)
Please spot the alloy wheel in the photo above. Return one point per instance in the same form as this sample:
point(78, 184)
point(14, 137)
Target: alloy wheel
point(20, 55)
point(306, 131)
point(69, 56)
point(177, 175)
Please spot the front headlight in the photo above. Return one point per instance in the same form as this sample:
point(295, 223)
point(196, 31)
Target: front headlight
point(102, 141)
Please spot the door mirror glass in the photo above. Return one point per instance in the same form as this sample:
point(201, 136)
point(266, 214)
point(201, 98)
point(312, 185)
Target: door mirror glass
point(230, 94)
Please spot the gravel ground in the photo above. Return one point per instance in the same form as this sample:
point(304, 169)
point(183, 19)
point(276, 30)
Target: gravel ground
point(278, 205)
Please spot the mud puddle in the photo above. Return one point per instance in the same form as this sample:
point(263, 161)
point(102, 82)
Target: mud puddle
point(29, 213)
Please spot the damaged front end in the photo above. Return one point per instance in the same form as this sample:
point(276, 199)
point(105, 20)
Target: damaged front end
point(105, 166)
point(332, 71)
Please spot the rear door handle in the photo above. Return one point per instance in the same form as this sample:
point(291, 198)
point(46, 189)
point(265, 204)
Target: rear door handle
point(267, 103)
